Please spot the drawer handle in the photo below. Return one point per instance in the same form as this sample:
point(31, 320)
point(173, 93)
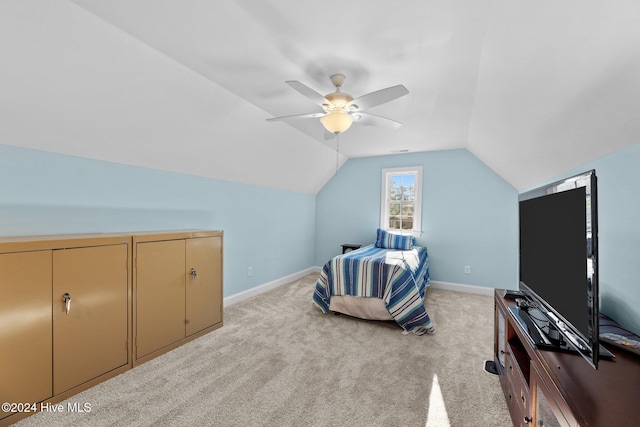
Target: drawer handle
point(66, 298)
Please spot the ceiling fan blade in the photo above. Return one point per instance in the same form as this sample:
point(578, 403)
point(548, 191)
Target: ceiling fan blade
point(378, 97)
point(296, 116)
point(308, 92)
point(368, 119)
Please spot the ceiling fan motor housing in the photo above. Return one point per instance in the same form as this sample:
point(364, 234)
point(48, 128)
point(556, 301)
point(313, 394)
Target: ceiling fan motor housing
point(338, 100)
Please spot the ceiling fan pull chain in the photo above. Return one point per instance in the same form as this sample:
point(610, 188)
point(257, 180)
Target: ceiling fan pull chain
point(337, 152)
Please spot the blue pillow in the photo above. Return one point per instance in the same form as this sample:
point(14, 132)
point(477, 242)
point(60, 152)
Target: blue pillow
point(388, 240)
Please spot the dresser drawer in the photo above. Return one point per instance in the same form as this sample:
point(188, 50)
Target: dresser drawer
point(519, 394)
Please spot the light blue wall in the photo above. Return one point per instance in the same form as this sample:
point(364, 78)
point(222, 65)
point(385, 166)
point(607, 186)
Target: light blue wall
point(469, 215)
point(272, 231)
point(618, 233)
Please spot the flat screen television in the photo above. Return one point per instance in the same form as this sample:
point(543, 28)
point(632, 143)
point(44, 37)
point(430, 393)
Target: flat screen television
point(559, 263)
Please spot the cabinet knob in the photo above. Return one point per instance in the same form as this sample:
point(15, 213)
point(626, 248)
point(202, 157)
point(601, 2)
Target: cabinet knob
point(193, 274)
point(66, 298)
point(527, 419)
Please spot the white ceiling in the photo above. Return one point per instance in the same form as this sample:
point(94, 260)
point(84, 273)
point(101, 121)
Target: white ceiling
point(531, 88)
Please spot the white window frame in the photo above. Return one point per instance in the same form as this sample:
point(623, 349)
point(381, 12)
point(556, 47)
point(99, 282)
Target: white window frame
point(387, 173)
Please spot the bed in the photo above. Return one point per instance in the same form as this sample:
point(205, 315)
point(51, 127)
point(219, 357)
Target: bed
point(382, 281)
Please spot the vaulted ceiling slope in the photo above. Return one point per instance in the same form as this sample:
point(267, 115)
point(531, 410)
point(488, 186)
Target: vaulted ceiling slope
point(531, 88)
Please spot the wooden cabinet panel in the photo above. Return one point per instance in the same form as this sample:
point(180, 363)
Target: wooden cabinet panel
point(25, 327)
point(160, 295)
point(204, 283)
point(91, 338)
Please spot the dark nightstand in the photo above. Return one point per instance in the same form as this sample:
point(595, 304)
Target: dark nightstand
point(347, 247)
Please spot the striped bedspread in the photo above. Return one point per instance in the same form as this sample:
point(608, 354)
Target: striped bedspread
point(399, 278)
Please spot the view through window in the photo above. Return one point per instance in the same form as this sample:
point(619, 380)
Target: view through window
point(401, 202)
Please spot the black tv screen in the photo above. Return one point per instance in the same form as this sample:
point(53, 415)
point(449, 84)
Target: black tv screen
point(558, 258)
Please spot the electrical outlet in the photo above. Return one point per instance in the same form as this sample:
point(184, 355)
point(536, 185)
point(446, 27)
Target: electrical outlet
point(467, 269)
point(250, 271)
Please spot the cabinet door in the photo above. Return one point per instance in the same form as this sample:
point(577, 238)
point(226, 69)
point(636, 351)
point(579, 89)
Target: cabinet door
point(551, 410)
point(91, 338)
point(204, 283)
point(25, 327)
point(160, 294)
point(500, 340)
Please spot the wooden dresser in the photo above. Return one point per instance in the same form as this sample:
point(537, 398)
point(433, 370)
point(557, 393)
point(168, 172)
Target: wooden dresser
point(547, 388)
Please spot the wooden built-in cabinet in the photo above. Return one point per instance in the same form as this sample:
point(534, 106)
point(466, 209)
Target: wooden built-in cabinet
point(52, 349)
point(71, 307)
point(177, 289)
point(546, 388)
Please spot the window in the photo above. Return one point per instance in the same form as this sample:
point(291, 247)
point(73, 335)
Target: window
point(401, 200)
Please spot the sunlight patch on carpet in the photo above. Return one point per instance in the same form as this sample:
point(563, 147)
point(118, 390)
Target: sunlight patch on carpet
point(437, 416)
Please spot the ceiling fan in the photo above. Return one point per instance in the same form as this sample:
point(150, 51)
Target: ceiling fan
point(340, 109)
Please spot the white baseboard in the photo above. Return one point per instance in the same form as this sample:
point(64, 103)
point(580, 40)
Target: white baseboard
point(235, 298)
point(240, 296)
point(458, 287)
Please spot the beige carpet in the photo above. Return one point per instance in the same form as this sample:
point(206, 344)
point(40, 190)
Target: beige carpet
point(279, 361)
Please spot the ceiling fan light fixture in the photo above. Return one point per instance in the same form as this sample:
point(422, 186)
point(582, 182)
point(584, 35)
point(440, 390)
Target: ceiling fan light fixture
point(336, 121)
